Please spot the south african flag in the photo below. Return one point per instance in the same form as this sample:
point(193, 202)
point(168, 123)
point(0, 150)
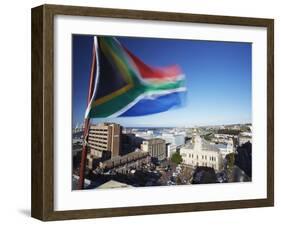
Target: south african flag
point(125, 86)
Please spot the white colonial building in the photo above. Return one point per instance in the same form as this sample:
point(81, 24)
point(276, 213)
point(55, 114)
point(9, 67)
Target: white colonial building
point(199, 152)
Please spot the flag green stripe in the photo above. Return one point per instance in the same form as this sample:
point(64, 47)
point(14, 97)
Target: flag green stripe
point(165, 86)
point(117, 103)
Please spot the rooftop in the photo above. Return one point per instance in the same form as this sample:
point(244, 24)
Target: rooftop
point(131, 156)
point(221, 145)
point(205, 145)
point(113, 184)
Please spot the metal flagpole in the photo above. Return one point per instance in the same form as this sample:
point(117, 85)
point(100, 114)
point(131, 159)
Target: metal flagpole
point(87, 124)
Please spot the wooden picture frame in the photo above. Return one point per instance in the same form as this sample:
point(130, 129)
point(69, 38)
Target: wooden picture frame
point(42, 203)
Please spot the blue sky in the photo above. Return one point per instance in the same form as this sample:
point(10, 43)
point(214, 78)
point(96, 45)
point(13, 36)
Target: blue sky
point(219, 78)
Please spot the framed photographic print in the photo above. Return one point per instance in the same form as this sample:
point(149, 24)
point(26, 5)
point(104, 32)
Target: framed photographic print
point(141, 112)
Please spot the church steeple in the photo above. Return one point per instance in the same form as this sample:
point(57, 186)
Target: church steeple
point(194, 132)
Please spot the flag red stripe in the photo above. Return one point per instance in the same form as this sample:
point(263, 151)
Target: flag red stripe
point(148, 72)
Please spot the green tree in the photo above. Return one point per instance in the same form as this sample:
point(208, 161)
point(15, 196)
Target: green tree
point(176, 158)
point(208, 136)
point(230, 160)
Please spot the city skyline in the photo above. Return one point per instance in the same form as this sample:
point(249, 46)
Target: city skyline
point(163, 156)
point(218, 80)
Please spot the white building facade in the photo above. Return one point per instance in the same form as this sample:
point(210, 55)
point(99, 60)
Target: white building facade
point(171, 149)
point(199, 152)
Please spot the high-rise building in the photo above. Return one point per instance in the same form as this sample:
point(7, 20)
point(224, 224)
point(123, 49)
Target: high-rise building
point(156, 148)
point(104, 141)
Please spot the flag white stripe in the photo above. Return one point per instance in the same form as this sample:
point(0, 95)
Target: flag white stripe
point(147, 95)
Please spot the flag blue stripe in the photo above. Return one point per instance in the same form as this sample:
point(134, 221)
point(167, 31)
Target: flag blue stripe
point(157, 105)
